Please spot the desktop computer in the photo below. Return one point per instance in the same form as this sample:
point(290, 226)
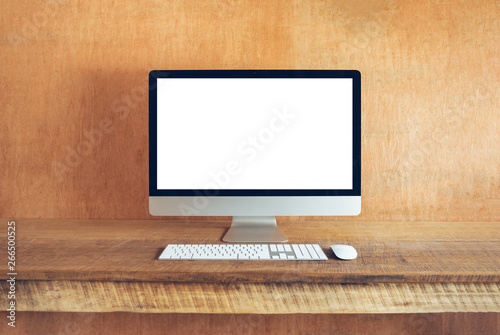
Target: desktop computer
point(255, 144)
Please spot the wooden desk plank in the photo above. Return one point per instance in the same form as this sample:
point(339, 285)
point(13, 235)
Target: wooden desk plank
point(251, 298)
point(389, 252)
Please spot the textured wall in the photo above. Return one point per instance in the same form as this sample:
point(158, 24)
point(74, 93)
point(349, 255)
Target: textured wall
point(72, 70)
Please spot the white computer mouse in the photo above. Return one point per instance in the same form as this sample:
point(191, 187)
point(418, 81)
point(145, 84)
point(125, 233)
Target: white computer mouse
point(345, 252)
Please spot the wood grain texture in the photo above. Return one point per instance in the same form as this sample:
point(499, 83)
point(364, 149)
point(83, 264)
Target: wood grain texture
point(235, 298)
point(128, 250)
point(250, 324)
point(74, 107)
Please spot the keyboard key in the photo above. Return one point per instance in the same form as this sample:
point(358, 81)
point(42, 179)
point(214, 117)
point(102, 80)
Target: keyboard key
point(312, 252)
point(320, 252)
point(305, 253)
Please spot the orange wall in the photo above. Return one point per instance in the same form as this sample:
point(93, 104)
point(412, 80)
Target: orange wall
point(429, 95)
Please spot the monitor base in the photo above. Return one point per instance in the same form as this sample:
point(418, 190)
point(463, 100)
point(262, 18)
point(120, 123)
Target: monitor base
point(254, 229)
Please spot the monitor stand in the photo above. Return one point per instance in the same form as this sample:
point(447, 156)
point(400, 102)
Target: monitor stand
point(254, 229)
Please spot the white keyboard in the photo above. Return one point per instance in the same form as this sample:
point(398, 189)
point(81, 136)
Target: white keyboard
point(289, 252)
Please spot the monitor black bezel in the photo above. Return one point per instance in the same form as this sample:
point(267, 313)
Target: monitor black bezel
point(356, 173)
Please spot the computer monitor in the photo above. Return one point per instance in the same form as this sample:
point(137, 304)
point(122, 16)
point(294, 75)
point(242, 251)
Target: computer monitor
point(254, 144)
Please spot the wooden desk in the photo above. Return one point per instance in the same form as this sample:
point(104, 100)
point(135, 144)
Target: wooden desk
point(112, 265)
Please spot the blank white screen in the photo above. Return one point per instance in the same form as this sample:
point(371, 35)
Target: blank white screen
point(253, 133)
